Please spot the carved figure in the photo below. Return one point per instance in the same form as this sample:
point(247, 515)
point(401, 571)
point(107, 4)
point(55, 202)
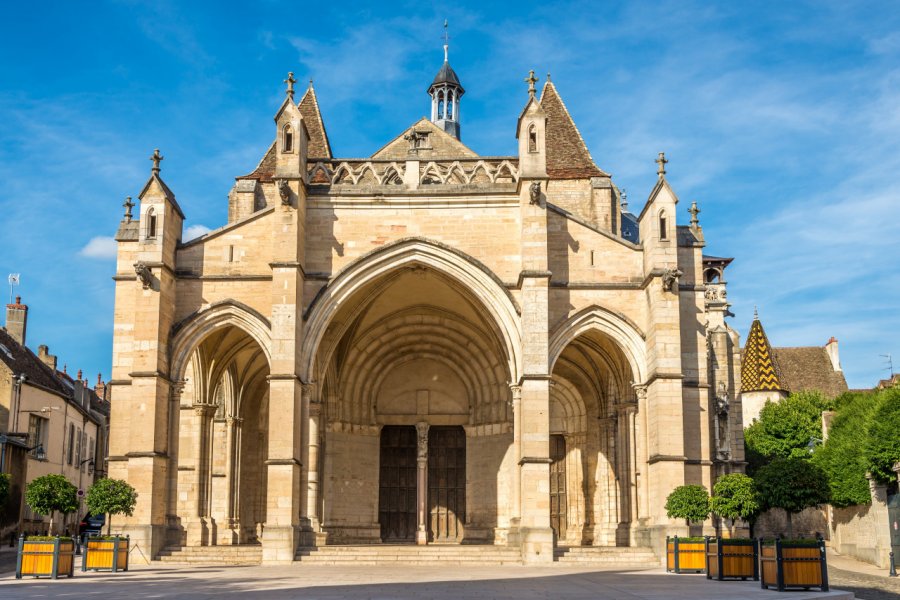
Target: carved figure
point(144, 274)
point(670, 279)
point(422, 446)
point(284, 190)
point(536, 193)
point(723, 405)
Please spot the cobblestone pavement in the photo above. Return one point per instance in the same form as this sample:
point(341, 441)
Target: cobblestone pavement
point(866, 587)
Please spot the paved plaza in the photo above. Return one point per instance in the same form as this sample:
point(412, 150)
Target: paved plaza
point(312, 582)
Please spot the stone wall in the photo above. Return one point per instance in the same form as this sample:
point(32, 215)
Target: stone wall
point(862, 531)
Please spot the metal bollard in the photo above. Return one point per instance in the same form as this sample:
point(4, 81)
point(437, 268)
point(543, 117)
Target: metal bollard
point(893, 571)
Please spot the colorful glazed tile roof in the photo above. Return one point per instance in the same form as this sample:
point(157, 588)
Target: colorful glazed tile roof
point(758, 369)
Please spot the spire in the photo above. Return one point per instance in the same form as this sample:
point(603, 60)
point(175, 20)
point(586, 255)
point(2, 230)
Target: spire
point(446, 42)
point(759, 371)
point(319, 146)
point(445, 92)
point(567, 154)
point(624, 194)
point(661, 161)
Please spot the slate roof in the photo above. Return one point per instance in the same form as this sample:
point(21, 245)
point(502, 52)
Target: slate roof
point(809, 369)
point(446, 74)
point(630, 229)
point(759, 370)
point(19, 359)
point(567, 154)
point(319, 146)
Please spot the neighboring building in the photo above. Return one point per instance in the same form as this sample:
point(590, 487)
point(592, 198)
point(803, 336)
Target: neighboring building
point(771, 374)
point(426, 345)
point(59, 419)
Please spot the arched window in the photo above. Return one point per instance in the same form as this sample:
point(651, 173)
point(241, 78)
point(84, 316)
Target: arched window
point(440, 105)
point(532, 138)
point(449, 105)
point(663, 228)
point(151, 224)
point(287, 139)
point(711, 276)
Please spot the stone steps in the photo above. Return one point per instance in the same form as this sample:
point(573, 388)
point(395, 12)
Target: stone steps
point(619, 557)
point(213, 555)
point(409, 555)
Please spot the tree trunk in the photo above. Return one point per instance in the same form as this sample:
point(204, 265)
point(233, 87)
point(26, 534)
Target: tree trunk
point(50, 526)
point(790, 525)
point(108, 524)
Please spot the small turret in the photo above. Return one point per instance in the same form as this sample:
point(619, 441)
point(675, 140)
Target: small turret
point(445, 92)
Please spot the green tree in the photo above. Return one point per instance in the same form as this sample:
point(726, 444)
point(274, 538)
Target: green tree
point(51, 493)
point(784, 429)
point(882, 450)
point(792, 484)
point(111, 497)
point(735, 497)
point(842, 456)
point(689, 502)
point(4, 488)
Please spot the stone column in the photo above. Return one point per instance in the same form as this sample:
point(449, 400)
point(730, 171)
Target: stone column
point(624, 471)
point(607, 491)
point(198, 525)
point(421, 482)
point(233, 431)
point(515, 498)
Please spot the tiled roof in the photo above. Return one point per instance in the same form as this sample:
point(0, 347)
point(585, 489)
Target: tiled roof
point(19, 359)
point(759, 371)
point(319, 147)
point(809, 369)
point(567, 154)
point(265, 170)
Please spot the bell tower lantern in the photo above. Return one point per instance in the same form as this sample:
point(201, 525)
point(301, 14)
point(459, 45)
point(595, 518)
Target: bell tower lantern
point(445, 92)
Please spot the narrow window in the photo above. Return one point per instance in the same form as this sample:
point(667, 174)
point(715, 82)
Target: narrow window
point(288, 143)
point(441, 105)
point(663, 231)
point(78, 447)
point(71, 443)
point(592, 258)
point(91, 464)
point(450, 105)
point(151, 224)
point(532, 139)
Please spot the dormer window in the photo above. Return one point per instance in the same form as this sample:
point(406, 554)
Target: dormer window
point(532, 138)
point(151, 224)
point(287, 144)
point(663, 229)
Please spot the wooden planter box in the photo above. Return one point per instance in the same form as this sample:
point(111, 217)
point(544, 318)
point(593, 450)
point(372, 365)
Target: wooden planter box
point(792, 565)
point(50, 558)
point(732, 559)
point(105, 555)
point(685, 556)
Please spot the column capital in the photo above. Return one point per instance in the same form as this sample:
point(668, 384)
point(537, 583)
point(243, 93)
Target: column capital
point(626, 407)
point(205, 409)
point(309, 391)
point(640, 390)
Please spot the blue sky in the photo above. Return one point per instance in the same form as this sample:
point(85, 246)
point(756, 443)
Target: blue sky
point(780, 119)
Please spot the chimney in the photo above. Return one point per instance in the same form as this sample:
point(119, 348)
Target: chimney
point(47, 358)
point(832, 349)
point(100, 388)
point(16, 320)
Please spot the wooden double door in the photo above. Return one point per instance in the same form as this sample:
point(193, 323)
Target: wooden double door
point(446, 487)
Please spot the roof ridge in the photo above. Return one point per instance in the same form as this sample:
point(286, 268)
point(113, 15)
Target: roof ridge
point(549, 86)
point(311, 92)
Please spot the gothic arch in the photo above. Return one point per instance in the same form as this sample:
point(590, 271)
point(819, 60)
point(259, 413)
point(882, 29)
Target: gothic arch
point(617, 327)
point(472, 275)
point(190, 331)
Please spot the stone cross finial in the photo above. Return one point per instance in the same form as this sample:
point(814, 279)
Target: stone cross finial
point(156, 158)
point(695, 222)
point(531, 80)
point(661, 161)
point(290, 81)
point(128, 206)
point(624, 194)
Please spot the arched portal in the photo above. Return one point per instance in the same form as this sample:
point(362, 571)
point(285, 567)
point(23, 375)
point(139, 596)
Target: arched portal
point(593, 428)
point(219, 496)
point(413, 372)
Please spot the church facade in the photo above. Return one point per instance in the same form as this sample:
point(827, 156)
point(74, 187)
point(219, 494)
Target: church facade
point(424, 346)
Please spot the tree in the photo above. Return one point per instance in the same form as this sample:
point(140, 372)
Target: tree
point(735, 497)
point(882, 449)
point(51, 493)
point(4, 488)
point(111, 497)
point(689, 502)
point(784, 429)
point(792, 484)
point(842, 456)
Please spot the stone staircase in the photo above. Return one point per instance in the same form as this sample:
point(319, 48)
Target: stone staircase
point(212, 555)
point(388, 554)
point(606, 557)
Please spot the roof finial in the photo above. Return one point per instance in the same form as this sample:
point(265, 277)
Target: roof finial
point(290, 81)
point(661, 161)
point(156, 158)
point(531, 80)
point(624, 194)
point(695, 222)
point(446, 41)
point(128, 206)
point(755, 313)
point(548, 76)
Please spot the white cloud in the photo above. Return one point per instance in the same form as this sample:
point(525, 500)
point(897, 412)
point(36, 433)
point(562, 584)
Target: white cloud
point(100, 247)
point(195, 231)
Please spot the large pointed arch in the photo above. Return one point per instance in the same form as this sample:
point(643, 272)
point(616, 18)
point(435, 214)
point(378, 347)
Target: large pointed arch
point(189, 332)
point(471, 274)
point(615, 326)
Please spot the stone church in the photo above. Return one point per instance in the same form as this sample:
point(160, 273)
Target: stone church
point(426, 346)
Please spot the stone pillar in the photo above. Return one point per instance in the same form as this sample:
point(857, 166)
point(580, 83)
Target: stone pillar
point(625, 471)
point(515, 495)
point(198, 526)
point(233, 469)
point(421, 483)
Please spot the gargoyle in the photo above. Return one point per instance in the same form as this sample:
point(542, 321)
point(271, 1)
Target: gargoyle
point(536, 193)
point(144, 274)
point(284, 190)
point(670, 279)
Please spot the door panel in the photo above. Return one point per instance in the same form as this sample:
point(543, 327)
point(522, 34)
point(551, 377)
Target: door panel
point(446, 483)
point(397, 484)
point(558, 500)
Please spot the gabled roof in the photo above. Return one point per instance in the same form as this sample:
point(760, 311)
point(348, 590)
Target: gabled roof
point(567, 154)
point(155, 178)
point(809, 369)
point(759, 372)
point(319, 146)
point(20, 359)
point(443, 145)
point(265, 170)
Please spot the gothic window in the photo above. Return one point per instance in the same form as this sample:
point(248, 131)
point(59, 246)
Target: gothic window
point(287, 139)
point(711, 276)
point(449, 105)
point(663, 230)
point(151, 224)
point(532, 138)
point(440, 105)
